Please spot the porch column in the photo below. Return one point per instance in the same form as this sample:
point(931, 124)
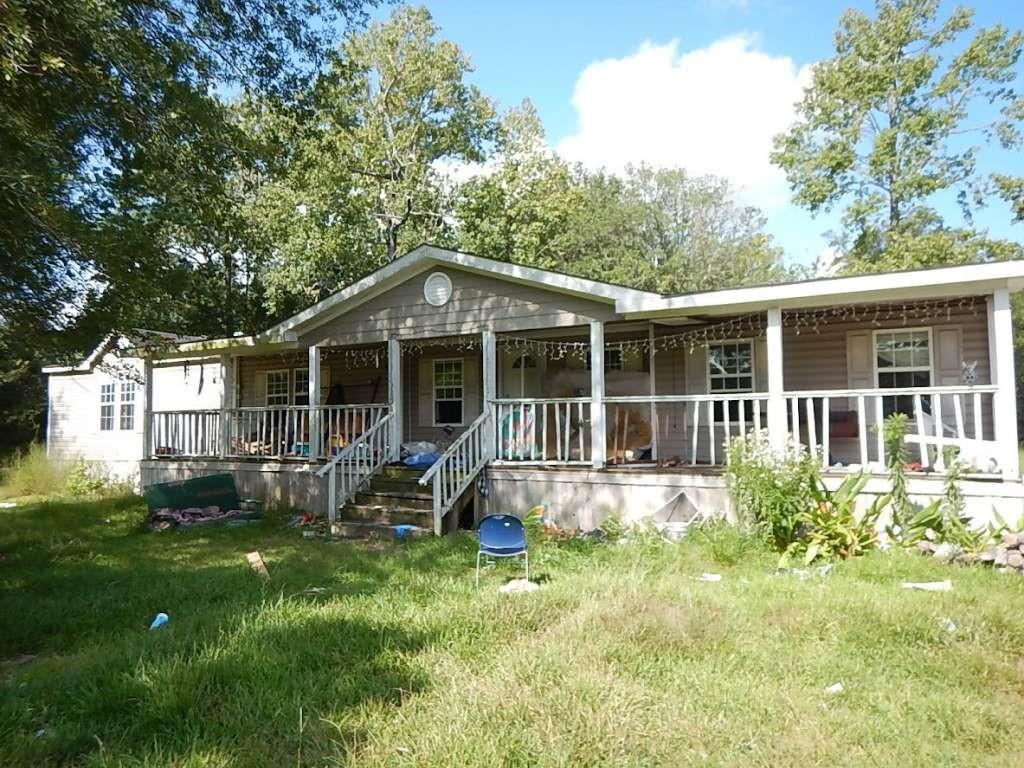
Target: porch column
point(654, 391)
point(776, 403)
point(489, 355)
point(1005, 400)
point(315, 429)
point(147, 410)
point(395, 397)
point(227, 402)
point(598, 433)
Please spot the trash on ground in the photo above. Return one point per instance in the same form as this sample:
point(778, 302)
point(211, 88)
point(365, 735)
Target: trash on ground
point(929, 586)
point(402, 530)
point(159, 620)
point(40, 733)
point(7, 504)
point(19, 660)
point(835, 689)
point(165, 517)
point(257, 564)
point(518, 586)
point(710, 577)
point(948, 625)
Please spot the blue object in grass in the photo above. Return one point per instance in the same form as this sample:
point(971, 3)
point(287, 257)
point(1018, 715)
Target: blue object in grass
point(401, 530)
point(501, 536)
point(421, 459)
point(159, 620)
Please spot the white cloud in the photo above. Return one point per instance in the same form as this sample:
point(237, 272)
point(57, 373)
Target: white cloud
point(709, 110)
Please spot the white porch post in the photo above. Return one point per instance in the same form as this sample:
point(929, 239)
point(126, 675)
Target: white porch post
point(598, 433)
point(395, 396)
point(227, 398)
point(147, 410)
point(315, 430)
point(489, 355)
point(654, 391)
point(776, 403)
point(1005, 401)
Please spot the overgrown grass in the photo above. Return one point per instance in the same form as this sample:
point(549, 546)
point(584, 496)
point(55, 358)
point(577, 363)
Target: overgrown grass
point(387, 655)
point(30, 472)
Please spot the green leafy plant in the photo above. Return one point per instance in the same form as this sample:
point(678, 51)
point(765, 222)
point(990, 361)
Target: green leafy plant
point(944, 519)
point(613, 528)
point(894, 431)
point(769, 489)
point(830, 527)
point(725, 542)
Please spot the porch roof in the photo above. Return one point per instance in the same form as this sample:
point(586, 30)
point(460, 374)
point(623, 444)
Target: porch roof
point(933, 282)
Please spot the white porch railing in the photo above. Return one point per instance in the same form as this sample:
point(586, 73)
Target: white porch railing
point(694, 429)
point(185, 433)
point(264, 432)
point(543, 430)
point(458, 466)
point(355, 464)
point(958, 416)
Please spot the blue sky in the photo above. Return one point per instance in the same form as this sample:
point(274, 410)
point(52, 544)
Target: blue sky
point(703, 84)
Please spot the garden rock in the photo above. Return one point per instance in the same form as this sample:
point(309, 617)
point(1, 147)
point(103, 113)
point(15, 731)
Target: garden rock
point(947, 552)
point(1007, 556)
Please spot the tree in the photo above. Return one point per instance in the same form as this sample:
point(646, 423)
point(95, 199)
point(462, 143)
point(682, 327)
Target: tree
point(886, 127)
point(364, 179)
point(656, 229)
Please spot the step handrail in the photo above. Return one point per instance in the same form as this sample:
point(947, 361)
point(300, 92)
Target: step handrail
point(356, 466)
point(458, 466)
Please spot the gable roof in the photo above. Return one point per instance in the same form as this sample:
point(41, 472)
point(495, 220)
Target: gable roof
point(425, 257)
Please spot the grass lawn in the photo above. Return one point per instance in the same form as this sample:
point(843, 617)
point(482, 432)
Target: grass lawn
point(357, 655)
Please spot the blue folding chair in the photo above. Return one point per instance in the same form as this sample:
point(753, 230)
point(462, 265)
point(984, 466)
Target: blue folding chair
point(501, 536)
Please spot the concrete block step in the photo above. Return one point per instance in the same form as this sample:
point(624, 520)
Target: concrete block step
point(387, 515)
point(398, 471)
point(395, 500)
point(401, 484)
point(357, 529)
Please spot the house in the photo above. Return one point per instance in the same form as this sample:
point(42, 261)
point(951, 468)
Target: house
point(541, 388)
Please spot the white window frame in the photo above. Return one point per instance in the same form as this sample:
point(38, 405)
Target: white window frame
point(903, 368)
point(707, 367)
point(126, 406)
point(707, 373)
point(433, 391)
point(295, 391)
point(108, 403)
point(287, 391)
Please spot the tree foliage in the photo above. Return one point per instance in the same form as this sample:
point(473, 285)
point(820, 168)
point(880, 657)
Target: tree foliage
point(894, 120)
point(366, 150)
point(661, 229)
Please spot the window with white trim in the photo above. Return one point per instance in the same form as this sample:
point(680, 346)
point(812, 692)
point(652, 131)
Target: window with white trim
point(107, 394)
point(903, 359)
point(731, 370)
point(448, 392)
point(300, 386)
point(277, 388)
point(127, 413)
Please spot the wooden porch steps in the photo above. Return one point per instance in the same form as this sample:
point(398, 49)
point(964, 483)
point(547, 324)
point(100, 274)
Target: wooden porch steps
point(393, 498)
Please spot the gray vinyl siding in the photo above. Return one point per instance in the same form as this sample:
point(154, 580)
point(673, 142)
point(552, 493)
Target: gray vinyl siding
point(416, 418)
point(360, 384)
point(478, 303)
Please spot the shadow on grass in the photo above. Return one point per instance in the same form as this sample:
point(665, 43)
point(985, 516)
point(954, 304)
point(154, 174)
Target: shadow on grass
point(227, 675)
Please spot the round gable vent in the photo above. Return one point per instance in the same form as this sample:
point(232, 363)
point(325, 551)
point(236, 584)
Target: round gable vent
point(437, 290)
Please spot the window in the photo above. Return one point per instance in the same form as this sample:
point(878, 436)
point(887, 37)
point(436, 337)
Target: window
point(903, 359)
point(277, 388)
point(731, 369)
point(447, 392)
point(300, 387)
point(127, 405)
point(612, 360)
point(106, 407)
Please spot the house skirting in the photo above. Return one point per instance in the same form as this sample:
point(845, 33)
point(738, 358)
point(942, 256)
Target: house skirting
point(278, 483)
point(581, 497)
point(577, 497)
